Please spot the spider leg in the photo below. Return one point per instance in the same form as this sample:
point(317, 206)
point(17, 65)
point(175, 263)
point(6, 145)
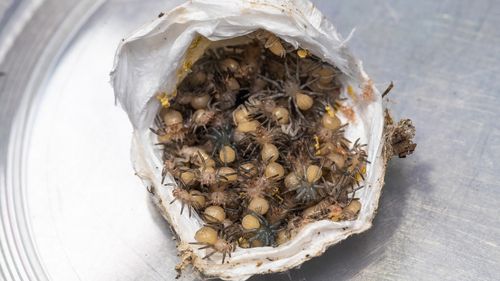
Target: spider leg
point(287, 72)
point(298, 111)
point(278, 95)
point(309, 83)
point(276, 84)
point(209, 255)
point(324, 88)
point(312, 93)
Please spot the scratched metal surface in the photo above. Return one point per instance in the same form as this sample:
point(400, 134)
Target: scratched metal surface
point(71, 208)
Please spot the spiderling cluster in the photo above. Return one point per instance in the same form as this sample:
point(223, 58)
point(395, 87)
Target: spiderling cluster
point(254, 143)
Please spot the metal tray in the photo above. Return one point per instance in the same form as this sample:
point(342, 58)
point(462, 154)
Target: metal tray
point(72, 209)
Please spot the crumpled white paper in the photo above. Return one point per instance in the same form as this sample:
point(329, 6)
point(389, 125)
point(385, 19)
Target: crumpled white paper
point(147, 63)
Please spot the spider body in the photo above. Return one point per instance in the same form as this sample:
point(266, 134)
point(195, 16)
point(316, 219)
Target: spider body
point(217, 238)
point(193, 199)
point(266, 233)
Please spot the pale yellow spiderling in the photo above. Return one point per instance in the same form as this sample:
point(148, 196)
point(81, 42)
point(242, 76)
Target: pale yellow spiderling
point(302, 53)
point(282, 237)
point(351, 210)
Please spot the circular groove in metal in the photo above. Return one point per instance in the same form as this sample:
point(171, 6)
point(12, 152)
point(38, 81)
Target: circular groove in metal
point(31, 58)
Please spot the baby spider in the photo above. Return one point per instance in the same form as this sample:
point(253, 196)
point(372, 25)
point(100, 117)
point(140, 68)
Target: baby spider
point(266, 111)
point(281, 209)
point(221, 195)
point(325, 81)
point(260, 181)
point(268, 140)
point(355, 164)
point(222, 140)
point(193, 199)
point(226, 94)
point(195, 155)
point(216, 237)
point(170, 128)
point(271, 42)
point(171, 165)
point(207, 175)
point(329, 139)
point(325, 207)
point(298, 94)
point(311, 66)
point(258, 229)
point(351, 211)
point(251, 62)
point(200, 119)
point(305, 184)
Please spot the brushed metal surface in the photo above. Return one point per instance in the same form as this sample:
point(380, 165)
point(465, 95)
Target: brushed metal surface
point(71, 208)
